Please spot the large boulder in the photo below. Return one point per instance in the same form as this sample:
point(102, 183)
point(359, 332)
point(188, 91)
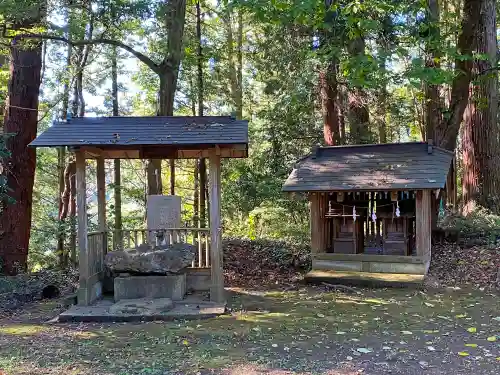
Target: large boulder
point(161, 260)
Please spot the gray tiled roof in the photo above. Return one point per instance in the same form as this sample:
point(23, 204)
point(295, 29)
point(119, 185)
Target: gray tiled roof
point(143, 131)
point(397, 166)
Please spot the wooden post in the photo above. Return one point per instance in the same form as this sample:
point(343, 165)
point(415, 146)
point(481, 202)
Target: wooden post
point(101, 196)
point(217, 287)
point(423, 223)
point(81, 206)
point(315, 223)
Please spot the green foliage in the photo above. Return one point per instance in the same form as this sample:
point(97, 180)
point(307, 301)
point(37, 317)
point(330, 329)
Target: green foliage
point(478, 223)
point(285, 45)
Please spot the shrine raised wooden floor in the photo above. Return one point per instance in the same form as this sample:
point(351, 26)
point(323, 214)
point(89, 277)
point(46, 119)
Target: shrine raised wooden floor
point(372, 279)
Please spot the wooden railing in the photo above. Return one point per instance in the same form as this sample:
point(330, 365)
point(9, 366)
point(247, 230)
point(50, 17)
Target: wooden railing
point(131, 238)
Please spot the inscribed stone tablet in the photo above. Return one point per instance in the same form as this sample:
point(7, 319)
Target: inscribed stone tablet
point(164, 211)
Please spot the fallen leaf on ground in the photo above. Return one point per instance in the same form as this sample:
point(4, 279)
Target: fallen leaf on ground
point(364, 350)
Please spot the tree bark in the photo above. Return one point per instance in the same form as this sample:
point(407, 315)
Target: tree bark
point(168, 72)
point(239, 57)
point(61, 161)
point(432, 96)
point(117, 179)
point(447, 132)
point(203, 193)
point(481, 172)
point(21, 119)
point(358, 115)
point(329, 100)
point(200, 169)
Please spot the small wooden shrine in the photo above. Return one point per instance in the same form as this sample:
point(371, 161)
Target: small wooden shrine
point(158, 137)
point(370, 205)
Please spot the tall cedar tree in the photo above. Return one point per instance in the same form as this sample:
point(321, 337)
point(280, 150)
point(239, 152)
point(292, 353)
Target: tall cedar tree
point(328, 82)
point(447, 132)
point(117, 163)
point(481, 172)
point(20, 120)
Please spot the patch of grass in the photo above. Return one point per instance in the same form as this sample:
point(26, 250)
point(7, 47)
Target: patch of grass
point(23, 329)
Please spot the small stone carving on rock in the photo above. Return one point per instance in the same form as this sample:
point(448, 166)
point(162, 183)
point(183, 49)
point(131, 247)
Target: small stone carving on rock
point(161, 260)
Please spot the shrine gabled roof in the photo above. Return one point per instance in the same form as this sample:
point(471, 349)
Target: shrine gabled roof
point(392, 166)
point(128, 132)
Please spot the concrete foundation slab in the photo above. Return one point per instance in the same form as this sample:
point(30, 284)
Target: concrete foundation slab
point(134, 287)
point(142, 306)
point(192, 308)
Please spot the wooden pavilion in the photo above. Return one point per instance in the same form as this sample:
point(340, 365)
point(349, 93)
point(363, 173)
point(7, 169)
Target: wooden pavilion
point(148, 138)
point(370, 205)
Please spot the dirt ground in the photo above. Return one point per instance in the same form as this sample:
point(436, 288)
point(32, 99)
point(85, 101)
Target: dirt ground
point(305, 330)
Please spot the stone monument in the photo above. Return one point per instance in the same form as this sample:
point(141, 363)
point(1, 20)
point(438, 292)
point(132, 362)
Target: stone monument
point(163, 212)
point(156, 269)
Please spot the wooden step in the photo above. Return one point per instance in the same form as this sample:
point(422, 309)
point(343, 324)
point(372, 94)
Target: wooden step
point(371, 279)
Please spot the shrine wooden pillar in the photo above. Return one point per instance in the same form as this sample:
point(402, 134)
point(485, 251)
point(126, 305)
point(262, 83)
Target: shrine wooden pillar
point(217, 276)
point(423, 224)
point(101, 194)
point(82, 225)
point(318, 207)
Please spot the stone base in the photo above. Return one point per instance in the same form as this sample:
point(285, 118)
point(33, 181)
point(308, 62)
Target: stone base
point(135, 287)
point(198, 279)
point(142, 306)
point(193, 307)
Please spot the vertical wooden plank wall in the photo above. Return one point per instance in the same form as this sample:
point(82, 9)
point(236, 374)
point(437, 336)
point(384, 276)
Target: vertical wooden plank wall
point(217, 287)
point(423, 223)
point(314, 210)
point(318, 206)
point(81, 207)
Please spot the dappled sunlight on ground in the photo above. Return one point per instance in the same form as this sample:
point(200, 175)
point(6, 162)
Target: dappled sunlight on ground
point(301, 331)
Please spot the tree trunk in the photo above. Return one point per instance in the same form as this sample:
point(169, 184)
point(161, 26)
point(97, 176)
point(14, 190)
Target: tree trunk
point(168, 72)
point(384, 50)
point(21, 119)
point(341, 105)
point(447, 133)
point(432, 96)
point(329, 100)
point(200, 169)
point(61, 161)
point(239, 57)
point(203, 193)
point(481, 173)
point(358, 115)
point(61, 230)
point(117, 179)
